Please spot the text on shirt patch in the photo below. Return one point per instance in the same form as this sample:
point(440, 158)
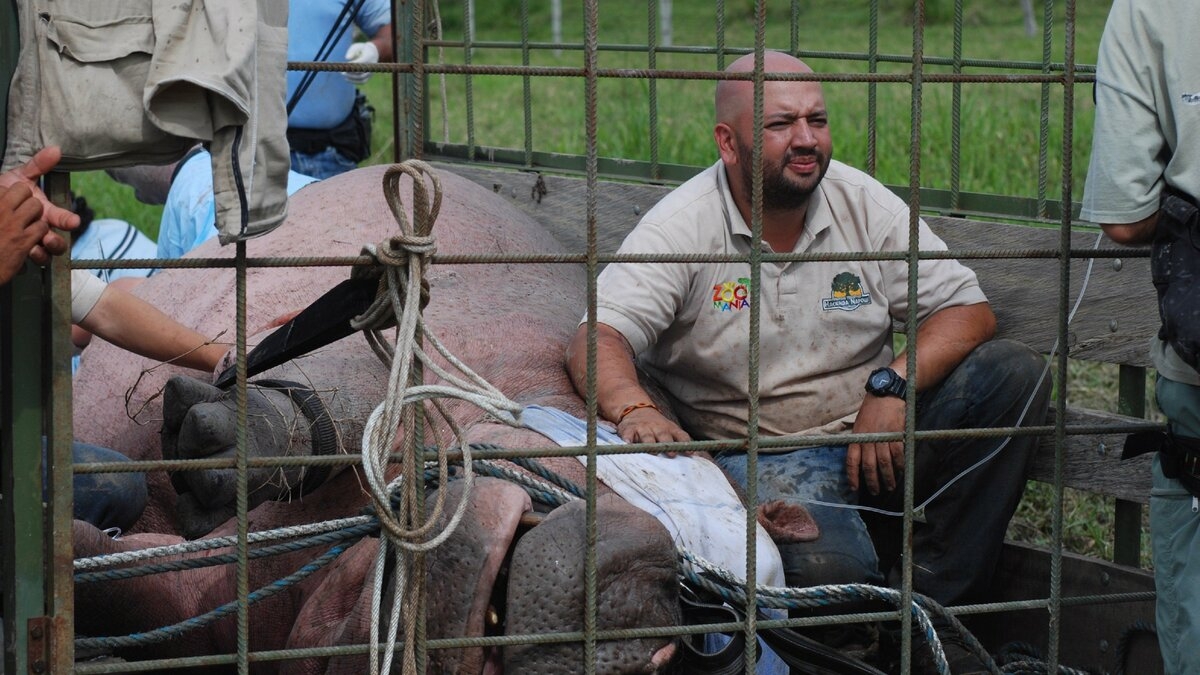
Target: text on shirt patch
point(1190, 99)
point(731, 295)
point(846, 294)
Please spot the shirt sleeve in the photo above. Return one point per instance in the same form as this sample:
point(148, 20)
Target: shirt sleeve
point(640, 300)
point(86, 290)
point(373, 15)
point(941, 283)
point(1125, 173)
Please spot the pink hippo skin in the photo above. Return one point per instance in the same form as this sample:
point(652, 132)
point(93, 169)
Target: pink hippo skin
point(509, 322)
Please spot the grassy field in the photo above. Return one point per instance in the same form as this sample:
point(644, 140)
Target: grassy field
point(1001, 125)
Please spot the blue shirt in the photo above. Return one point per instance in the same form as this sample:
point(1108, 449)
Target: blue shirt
point(329, 97)
point(189, 215)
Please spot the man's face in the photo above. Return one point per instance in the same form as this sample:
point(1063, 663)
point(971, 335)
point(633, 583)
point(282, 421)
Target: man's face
point(797, 145)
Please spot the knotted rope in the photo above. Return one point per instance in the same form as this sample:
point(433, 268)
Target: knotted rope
point(403, 292)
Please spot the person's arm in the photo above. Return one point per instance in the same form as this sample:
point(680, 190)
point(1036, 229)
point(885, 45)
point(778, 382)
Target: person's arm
point(617, 387)
point(1132, 234)
point(137, 326)
point(943, 341)
point(382, 39)
point(50, 242)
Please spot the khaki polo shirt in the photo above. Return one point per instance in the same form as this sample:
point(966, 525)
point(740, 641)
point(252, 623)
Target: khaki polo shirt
point(823, 325)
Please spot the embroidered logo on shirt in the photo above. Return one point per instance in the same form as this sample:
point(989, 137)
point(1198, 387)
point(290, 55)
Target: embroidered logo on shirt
point(731, 295)
point(846, 294)
point(1190, 99)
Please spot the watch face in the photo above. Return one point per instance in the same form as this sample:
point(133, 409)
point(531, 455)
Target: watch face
point(880, 380)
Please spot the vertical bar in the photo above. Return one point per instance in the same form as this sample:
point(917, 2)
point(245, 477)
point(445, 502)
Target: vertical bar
point(60, 592)
point(720, 34)
point(590, 64)
point(468, 80)
point(1044, 122)
point(242, 471)
point(652, 64)
point(1056, 553)
point(1127, 525)
point(872, 87)
point(22, 390)
point(407, 91)
point(526, 86)
point(956, 110)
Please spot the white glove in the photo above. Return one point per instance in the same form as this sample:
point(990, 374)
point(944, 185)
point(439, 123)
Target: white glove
point(361, 52)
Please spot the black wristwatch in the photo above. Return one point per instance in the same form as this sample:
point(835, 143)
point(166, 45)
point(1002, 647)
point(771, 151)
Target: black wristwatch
point(886, 382)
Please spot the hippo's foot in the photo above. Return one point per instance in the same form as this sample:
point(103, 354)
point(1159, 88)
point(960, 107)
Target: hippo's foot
point(787, 523)
point(637, 586)
point(200, 421)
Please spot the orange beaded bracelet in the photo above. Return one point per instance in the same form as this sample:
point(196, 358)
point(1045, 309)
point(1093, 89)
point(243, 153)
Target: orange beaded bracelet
point(635, 406)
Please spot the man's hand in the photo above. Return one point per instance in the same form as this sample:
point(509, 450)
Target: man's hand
point(48, 243)
point(647, 425)
point(878, 463)
point(21, 229)
point(361, 52)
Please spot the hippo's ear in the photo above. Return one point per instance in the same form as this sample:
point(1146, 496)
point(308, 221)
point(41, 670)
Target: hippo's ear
point(180, 394)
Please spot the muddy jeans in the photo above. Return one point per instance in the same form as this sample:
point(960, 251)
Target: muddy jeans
point(1175, 538)
point(956, 549)
point(107, 499)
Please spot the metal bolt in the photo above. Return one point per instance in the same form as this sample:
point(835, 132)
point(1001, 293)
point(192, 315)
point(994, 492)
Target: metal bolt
point(1104, 579)
point(1102, 448)
point(1117, 264)
point(637, 210)
point(1103, 646)
point(36, 632)
point(1112, 325)
point(38, 666)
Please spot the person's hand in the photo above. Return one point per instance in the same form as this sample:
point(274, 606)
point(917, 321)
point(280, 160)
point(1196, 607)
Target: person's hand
point(648, 425)
point(21, 228)
point(49, 243)
point(361, 52)
point(877, 463)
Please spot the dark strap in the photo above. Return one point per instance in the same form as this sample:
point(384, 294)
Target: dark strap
point(320, 427)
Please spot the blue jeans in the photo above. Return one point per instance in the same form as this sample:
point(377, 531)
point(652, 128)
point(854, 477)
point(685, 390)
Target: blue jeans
point(107, 499)
point(1175, 540)
point(325, 164)
point(955, 550)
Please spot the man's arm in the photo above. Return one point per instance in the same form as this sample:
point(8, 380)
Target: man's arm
point(137, 326)
point(383, 42)
point(943, 341)
point(617, 387)
point(1132, 234)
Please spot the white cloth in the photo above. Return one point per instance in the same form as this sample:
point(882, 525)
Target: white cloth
point(690, 496)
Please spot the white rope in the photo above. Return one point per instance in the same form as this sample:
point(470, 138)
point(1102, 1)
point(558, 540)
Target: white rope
point(399, 300)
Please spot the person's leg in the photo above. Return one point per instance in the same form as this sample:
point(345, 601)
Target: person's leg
point(843, 553)
point(1175, 539)
point(325, 164)
point(107, 500)
point(1000, 384)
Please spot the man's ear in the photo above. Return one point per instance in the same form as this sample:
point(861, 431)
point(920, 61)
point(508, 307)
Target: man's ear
point(726, 143)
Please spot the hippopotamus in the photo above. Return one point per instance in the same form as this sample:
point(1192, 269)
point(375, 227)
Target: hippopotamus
point(510, 321)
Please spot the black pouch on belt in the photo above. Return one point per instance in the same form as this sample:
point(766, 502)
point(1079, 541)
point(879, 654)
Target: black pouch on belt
point(352, 137)
point(1178, 455)
point(1175, 270)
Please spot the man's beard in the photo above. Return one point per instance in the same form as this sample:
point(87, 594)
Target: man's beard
point(779, 193)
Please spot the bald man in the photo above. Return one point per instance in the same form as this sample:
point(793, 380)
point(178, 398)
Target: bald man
point(826, 364)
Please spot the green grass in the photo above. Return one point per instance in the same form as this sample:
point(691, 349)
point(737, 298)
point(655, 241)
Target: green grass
point(1000, 135)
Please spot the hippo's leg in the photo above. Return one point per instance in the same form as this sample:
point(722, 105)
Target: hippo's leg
point(200, 421)
point(637, 586)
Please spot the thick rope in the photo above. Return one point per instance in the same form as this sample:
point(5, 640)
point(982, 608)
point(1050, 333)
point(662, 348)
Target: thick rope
point(402, 294)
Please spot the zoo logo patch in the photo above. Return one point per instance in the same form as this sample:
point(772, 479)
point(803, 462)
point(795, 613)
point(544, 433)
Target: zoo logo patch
point(846, 294)
point(731, 295)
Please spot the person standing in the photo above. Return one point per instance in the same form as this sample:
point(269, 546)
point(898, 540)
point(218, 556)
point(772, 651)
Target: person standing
point(1142, 187)
point(329, 120)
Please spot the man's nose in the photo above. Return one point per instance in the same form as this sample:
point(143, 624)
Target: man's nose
point(803, 136)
